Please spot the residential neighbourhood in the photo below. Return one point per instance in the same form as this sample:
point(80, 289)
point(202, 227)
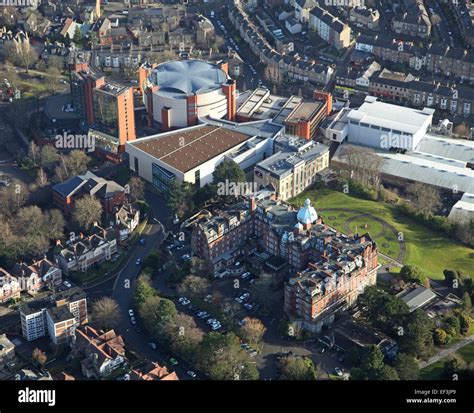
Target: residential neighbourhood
point(237, 190)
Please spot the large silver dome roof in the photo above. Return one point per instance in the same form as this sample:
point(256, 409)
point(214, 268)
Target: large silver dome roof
point(187, 77)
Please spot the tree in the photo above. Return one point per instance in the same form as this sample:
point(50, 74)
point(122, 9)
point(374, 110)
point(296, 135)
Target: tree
point(440, 336)
point(455, 364)
point(411, 273)
point(33, 153)
point(20, 52)
point(199, 267)
point(193, 286)
point(39, 357)
point(12, 198)
point(252, 331)
point(384, 373)
point(417, 338)
point(49, 156)
point(465, 322)
point(183, 334)
point(296, 368)
point(406, 367)
point(371, 358)
point(386, 311)
point(176, 197)
point(426, 197)
point(77, 38)
point(56, 224)
point(52, 76)
point(136, 189)
point(41, 178)
point(87, 211)
point(106, 313)
point(452, 325)
point(228, 170)
point(466, 302)
point(365, 165)
point(221, 358)
point(75, 163)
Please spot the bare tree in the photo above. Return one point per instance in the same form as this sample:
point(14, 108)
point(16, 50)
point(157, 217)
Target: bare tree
point(364, 163)
point(106, 313)
point(425, 197)
point(39, 357)
point(87, 211)
point(136, 188)
point(252, 330)
point(41, 178)
point(193, 286)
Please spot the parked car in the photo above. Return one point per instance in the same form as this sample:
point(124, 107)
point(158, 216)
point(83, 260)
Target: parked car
point(191, 373)
point(173, 361)
point(245, 275)
point(338, 371)
point(248, 306)
point(131, 313)
point(153, 345)
point(180, 247)
point(133, 320)
point(138, 261)
point(186, 257)
point(67, 284)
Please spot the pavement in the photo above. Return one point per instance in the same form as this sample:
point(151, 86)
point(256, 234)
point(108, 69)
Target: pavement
point(448, 351)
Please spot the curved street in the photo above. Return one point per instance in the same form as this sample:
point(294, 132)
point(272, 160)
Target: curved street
point(121, 286)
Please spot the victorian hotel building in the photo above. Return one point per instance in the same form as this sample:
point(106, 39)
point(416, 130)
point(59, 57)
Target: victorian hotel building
point(328, 270)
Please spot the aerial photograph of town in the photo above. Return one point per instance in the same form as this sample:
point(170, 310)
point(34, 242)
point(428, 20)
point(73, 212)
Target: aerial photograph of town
point(236, 190)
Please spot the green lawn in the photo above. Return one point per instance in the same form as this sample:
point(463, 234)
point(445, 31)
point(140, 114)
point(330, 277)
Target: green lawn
point(427, 249)
point(467, 353)
point(432, 372)
point(435, 371)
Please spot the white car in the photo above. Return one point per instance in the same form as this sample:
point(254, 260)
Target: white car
point(215, 327)
point(131, 313)
point(186, 257)
point(133, 320)
point(184, 301)
point(245, 275)
point(191, 373)
point(153, 345)
point(67, 284)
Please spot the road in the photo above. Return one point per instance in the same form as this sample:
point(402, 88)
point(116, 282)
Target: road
point(448, 351)
point(121, 289)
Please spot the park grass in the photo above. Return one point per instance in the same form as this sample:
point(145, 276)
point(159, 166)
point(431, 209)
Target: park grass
point(429, 250)
point(467, 353)
point(433, 371)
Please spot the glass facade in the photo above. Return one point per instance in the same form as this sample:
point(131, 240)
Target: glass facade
point(105, 113)
point(162, 178)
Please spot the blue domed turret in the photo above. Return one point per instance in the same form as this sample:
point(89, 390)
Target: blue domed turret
point(307, 214)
